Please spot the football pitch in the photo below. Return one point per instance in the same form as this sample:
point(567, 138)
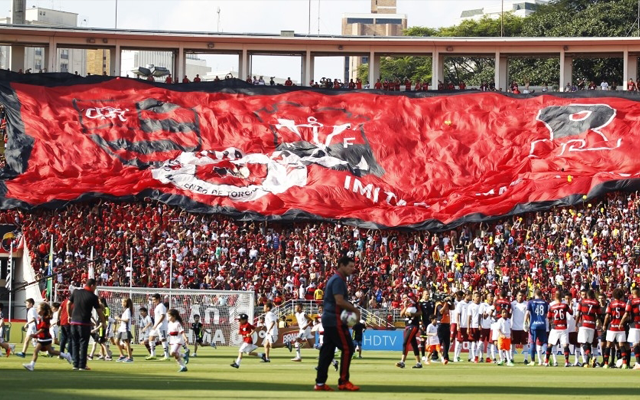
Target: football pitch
point(210, 376)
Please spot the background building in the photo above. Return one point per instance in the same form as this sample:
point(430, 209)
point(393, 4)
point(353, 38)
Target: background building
point(382, 21)
point(132, 59)
point(520, 8)
point(69, 60)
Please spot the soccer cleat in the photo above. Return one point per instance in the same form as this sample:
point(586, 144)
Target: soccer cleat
point(166, 358)
point(586, 365)
point(234, 365)
point(605, 366)
point(489, 360)
point(336, 365)
point(99, 357)
point(427, 362)
point(624, 366)
point(128, 360)
point(186, 357)
point(567, 365)
point(424, 358)
point(400, 364)
point(20, 354)
point(289, 346)
point(445, 362)
point(481, 359)
point(296, 359)
point(320, 388)
point(28, 367)
point(263, 357)
point(526, 362)
point(107, 358)
point(122, 358)
point(349, 387)
point(510, 364)
point(531, 364)
point(213, 344)
point(90, 358)
point(417, 366)
point(84, 369)
point(555, 364)
point(183, 369)
point(500, 363)
point(67, 357)
point(265, 360)
point(151, 358)
point(578, 364)
point(194, 355)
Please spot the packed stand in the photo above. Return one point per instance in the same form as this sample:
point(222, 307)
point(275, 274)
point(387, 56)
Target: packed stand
point(594, 244)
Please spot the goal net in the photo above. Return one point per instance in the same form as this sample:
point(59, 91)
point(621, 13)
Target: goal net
point(218, 309)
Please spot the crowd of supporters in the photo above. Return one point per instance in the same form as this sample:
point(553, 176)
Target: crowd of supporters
point(593, 245)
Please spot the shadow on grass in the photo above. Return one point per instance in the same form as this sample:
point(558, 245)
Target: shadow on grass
point(72, 385)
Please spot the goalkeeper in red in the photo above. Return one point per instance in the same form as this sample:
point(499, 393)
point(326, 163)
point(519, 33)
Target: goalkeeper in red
point(336, 332)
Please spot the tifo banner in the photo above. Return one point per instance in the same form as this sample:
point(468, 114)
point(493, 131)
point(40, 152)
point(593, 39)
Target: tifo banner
point(426, 160)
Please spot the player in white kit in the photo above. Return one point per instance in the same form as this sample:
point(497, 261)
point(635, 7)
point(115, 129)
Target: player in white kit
point(518, 334)
point(304, 324)
point(159, 329)
point(271, 335)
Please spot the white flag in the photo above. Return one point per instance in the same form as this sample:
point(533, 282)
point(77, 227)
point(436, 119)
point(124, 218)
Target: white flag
point(92, 270)
point(9, 277)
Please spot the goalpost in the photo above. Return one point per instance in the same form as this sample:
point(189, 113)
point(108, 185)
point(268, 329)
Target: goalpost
point(218, 309)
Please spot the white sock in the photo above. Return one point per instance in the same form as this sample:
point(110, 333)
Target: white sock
point(539, 352)
point(32, 363)
point(472, 350)
point(584, 357)
point(238, 360)
point(507, 354)
point(298, 353)
point(493, 350)
point(153, 348)
point(479, 349)
point(554, 350)
point(457, 350)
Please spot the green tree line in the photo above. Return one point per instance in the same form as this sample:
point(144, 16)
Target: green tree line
point(558, 18)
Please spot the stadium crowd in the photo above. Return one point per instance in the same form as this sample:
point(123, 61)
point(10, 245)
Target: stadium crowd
point(595, 245)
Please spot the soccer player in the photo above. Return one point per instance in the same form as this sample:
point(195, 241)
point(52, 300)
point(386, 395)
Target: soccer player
point(632, 314)
point(536, 320)
point(271, 326)
point(463, 321)
point(159, 330)
point(177, 338)
point(29, 327)
point(616, 333)
point(587, 318)
point(557, 315)
point(145, 324)
point(504, 337)
point(518, 334)
point(358, 333)
point(304, 325)
point(124, 331)
point(473, 322)
point(9, 348)
point(486, 312)
point(411, 331)
point(247, 347)
point(572, 330)
point(43, 337)
point(198, 334)
point(336, 332)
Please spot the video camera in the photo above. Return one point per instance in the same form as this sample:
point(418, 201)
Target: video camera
point(442, 298)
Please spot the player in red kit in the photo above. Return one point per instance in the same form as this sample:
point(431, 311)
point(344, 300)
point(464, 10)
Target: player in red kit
point(632, 315)
point(615, 333)
point(246, 330)
point(557, 315)
point(587, 318)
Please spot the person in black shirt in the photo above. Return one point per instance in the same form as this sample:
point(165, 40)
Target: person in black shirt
point(198, 334)
point(412, 314)
point(358, 333)
point(336, 332)
point(84, 301)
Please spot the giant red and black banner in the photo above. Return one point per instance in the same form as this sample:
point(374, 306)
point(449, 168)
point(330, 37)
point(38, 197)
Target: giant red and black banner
point(422, 161)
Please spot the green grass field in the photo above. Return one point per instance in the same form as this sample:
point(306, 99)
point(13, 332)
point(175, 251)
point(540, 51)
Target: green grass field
point(210, 376)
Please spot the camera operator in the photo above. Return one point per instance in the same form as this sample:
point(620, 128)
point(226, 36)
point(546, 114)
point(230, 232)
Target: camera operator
point(443, 305)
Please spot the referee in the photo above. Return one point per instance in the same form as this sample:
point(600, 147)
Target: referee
point(336, 332)
point(84, 301)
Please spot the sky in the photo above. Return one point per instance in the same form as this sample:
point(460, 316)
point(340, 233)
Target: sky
point(250, 16)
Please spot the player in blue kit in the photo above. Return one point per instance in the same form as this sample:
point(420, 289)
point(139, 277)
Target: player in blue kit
point(536, 320)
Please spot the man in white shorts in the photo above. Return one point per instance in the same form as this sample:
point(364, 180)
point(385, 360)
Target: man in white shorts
point(518, 334)
point(587, 319)
point(271, 334)
point(615, 332)
point(558, 318)
point(304, 324)
point(29, 327)
point(159, 329)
